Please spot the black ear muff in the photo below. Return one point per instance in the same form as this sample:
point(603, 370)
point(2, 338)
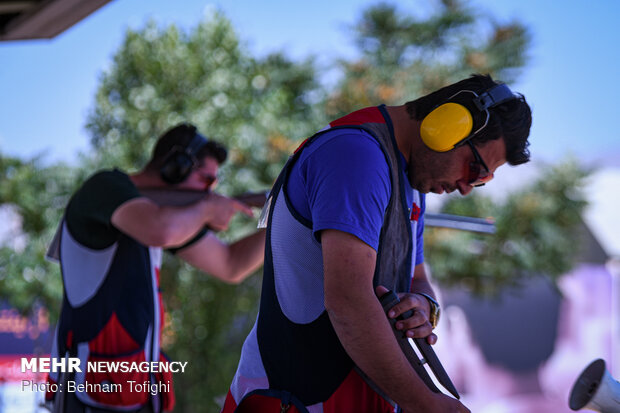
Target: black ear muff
point(180, 161)
point(461, 117)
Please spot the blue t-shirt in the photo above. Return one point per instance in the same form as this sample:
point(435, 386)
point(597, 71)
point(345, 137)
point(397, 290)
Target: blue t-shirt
point(342, 181)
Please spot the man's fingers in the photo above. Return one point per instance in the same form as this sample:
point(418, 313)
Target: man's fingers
point(381, 291)
point(421, 331)
point(217, 228)
point(243, 208)
point(407, 302)
point(236, 205)
point(418, 319)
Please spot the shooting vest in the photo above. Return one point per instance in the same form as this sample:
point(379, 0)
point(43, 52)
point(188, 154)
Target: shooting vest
point(293, 341)
point(112, 311)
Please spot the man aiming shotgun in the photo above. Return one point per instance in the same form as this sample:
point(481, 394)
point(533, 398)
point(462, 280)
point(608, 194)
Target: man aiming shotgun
point(345, 225)
point(109, 247)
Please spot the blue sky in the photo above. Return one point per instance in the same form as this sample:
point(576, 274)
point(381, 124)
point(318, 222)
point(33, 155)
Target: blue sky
point(571, 82)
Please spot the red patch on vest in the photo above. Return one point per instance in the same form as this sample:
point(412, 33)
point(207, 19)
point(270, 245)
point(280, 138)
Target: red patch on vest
point(415, 212)
point(113, 339)
point(359, 117)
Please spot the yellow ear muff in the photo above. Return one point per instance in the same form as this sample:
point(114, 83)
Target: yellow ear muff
point(446, 126)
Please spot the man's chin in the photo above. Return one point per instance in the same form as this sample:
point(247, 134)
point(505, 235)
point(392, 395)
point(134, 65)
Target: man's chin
point(425, 188)
point(437, 190)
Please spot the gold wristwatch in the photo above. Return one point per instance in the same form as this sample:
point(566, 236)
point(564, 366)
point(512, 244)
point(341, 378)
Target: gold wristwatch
point(433, 317)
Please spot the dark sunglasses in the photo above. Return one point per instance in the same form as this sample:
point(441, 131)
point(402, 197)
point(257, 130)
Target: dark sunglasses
point(479, 173)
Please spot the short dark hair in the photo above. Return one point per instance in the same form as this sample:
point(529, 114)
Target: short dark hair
point(511, 120)
point(181, 135)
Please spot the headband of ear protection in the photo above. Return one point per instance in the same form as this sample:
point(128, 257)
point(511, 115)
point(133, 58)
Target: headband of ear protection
point(460, 118)
point(180, 161)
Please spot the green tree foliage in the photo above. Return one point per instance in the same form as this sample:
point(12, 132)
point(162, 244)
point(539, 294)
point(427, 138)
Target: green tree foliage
point(403, 57)
point(37, 194)
point(536, 233)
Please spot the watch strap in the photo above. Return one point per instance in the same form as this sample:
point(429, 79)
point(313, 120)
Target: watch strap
point(433, 317)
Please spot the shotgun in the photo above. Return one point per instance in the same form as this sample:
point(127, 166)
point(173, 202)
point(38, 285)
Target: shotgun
point(179, 197)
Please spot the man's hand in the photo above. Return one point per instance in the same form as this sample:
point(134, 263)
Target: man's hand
point(219, 210)
point(416, 326)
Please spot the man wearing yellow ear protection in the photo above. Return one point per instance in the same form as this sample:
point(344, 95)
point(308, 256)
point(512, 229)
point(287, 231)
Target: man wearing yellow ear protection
point(344, 226)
